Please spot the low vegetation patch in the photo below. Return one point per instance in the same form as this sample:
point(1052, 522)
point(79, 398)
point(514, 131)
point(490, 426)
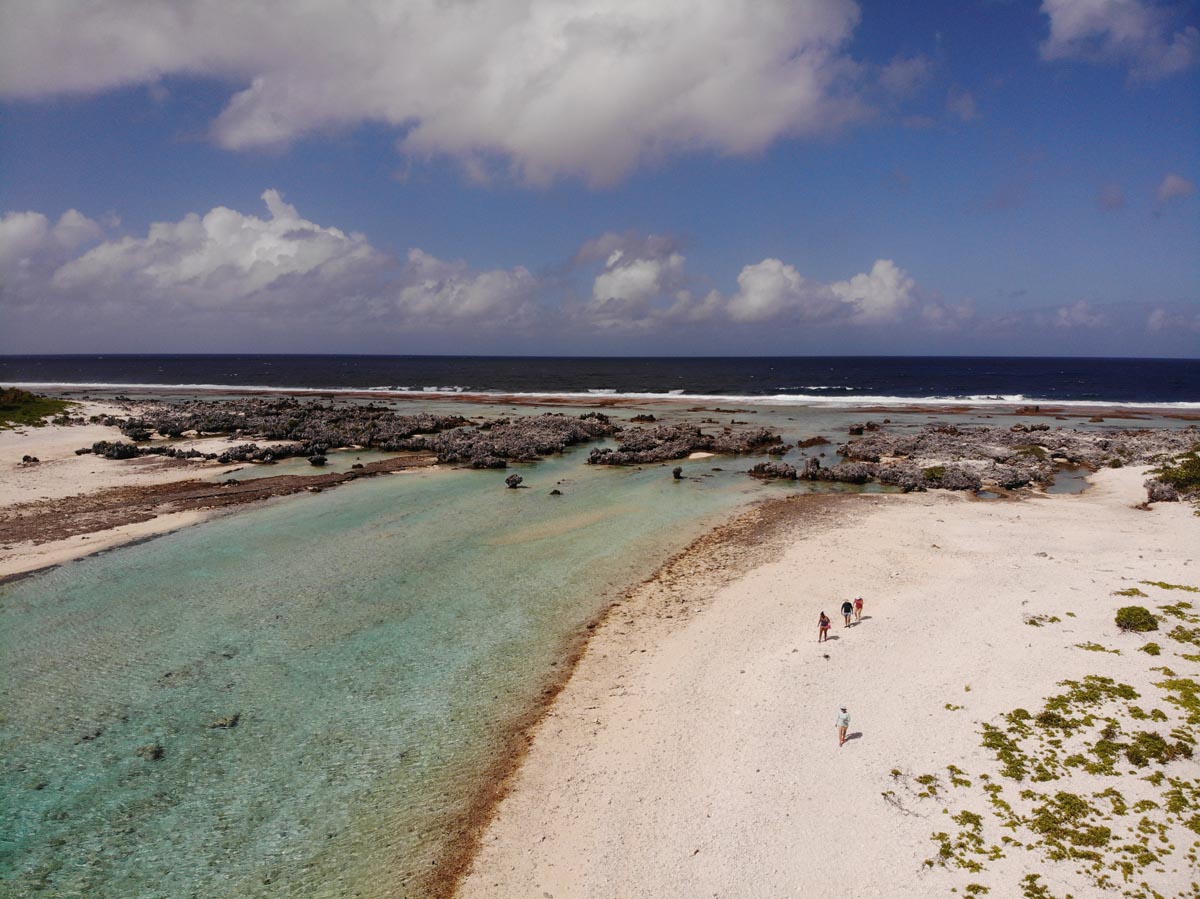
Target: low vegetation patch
point(20, 407)
point(1137, 619)
point(1183, 474)
point(1039, 620)
point(1096, 647)
point(1130, 835)
point(1162, 585)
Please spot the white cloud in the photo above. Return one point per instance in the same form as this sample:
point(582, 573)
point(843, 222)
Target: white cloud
point(30, 244)
point(1081, 314)
point(1174, 187)
point(882, 295)
point(592, 88)
point(441, 293)
point(1165, 321)
point(641, 284)
point(772, 290)
point(242, 273)
point(1136, 33)
point(223, 256)
point(632, 282)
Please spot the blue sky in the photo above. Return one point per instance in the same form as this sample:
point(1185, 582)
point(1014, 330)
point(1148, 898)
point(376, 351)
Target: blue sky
point(708, 177)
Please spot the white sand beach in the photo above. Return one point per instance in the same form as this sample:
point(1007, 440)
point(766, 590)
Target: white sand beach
point(694, 753)
point(60, 474)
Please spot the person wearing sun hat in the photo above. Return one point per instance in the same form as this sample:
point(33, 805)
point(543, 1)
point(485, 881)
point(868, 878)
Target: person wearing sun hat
point(843, 722)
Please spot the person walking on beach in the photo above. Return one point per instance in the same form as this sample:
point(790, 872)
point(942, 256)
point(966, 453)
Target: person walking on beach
point(858, 604)
point(823, 628)
point(847, 610)
point(843, 722)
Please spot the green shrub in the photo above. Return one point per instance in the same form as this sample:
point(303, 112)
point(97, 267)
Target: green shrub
point(1151, 649)
point(20, 407)
point(1184, 475)
point(1136, 618)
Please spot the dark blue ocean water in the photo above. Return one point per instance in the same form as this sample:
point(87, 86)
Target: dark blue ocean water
point(843, 378)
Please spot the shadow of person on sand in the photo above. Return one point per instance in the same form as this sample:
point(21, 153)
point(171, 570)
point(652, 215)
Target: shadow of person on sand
point(857, 735)
point(831, 637)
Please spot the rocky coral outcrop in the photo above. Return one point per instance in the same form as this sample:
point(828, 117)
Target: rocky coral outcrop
point(514, 440)
point(663, 443)
point(283, 419)
point(769, 471)
point(1158, 492)
point(951, 458)
point(1019, 457)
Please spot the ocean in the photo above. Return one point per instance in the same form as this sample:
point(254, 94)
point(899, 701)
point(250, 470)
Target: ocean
point(788, 380)
point(381, 642)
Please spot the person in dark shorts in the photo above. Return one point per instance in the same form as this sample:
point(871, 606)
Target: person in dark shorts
point(847, 611)
point(823, 628)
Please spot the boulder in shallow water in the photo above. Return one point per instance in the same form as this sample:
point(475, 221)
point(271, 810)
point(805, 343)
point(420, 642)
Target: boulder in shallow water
point(769, 471)
point(513, 481)
point(151, 752)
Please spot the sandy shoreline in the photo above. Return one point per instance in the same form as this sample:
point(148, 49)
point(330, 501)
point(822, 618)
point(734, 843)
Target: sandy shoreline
point(69, 506)
point(695, 754)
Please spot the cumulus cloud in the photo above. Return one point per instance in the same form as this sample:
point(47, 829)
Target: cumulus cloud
point(772, 290)
point(223, 256)
point(641, 285)
point(442, 293)
point(546, 89)
point(284, 282)
point(232, 272)
point(1138, 33)
point(1175, 187)
point(1162, 320)
point(28, 240)
point(1081, 314)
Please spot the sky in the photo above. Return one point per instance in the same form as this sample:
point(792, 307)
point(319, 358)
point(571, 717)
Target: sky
point(601, 177)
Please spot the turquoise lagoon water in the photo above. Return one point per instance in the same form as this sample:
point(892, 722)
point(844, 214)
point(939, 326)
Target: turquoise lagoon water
point(378, 641)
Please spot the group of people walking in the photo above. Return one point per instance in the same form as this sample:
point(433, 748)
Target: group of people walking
point(849, 610)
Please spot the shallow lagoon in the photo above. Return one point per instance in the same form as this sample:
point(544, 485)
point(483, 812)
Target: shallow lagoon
point(379, 641)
